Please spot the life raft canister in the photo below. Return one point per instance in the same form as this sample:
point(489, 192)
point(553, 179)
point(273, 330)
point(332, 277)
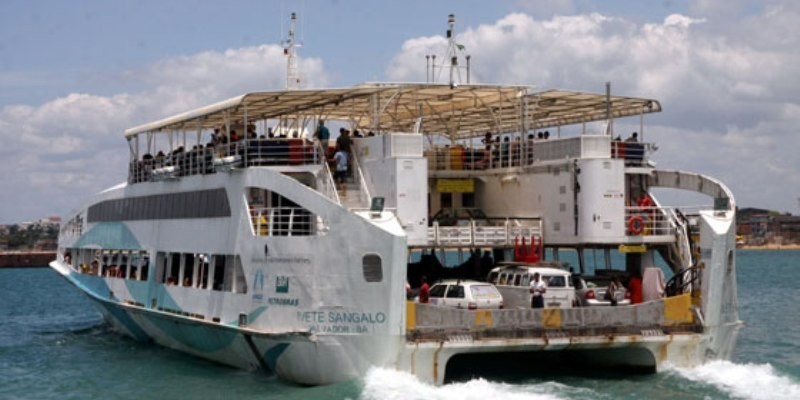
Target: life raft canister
point(636, 225)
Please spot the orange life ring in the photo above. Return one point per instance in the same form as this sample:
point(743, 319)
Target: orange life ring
point(636, 225)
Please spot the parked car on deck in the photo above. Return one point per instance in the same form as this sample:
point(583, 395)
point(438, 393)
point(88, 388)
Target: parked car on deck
point(513, 280)
point(592, 294)
point(465, 294)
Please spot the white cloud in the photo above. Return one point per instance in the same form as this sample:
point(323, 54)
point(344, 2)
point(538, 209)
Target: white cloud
point(731, 97)
point(59, 153)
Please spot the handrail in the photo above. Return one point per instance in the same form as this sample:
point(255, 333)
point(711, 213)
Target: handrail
point(328, 185)
point(475, 234)
point(364, 192)
point(211, 159)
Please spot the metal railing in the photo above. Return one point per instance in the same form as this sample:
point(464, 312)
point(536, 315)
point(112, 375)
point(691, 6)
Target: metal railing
point(646, 221)
point(518, 153)
point(212, 159)
point(283, 221)
point(365, 197)
point(475, 233)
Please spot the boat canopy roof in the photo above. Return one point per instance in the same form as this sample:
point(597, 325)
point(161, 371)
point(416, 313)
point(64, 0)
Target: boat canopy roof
point(458, 112)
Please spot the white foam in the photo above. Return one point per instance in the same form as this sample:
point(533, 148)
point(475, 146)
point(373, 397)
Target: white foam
point(749, 381)
point(389, 384)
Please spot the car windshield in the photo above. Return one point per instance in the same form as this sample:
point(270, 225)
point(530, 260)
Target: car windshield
point(484, 291)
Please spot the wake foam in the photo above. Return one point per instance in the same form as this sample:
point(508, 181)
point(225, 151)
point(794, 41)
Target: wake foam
point(389, 384)
point(749, 381)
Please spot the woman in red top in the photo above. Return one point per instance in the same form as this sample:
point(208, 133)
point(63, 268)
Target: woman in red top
point(424, 291)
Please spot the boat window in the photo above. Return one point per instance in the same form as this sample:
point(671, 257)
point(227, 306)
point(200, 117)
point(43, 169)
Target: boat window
point(526, 280)
point(195, 204)
point(492, 277)
point(372, 267)
point(517, 279)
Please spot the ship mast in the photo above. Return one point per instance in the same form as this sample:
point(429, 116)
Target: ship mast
point(290, 45)
point(450, 59)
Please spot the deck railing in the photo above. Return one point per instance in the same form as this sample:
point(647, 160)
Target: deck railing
point(475, 233)
point(212, 159)
point(528, 152)
point(648, 221)
point(283, 221)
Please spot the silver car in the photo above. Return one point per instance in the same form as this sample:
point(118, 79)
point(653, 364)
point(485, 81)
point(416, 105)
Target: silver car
point(591, 294)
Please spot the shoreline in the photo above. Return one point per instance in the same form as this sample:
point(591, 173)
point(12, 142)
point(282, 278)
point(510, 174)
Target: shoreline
point(792, 246)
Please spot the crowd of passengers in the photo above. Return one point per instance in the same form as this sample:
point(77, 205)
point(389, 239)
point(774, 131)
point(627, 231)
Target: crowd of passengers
point(501, 152)
point(248, 149)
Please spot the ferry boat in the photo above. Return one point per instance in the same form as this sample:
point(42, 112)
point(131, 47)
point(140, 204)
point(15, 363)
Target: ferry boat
point(240, 248)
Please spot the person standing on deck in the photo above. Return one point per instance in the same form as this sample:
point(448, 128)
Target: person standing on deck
point(340, 159)
point(537, 289)
point(323, 135)
point(424, 290)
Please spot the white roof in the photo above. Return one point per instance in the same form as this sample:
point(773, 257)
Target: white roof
point(458, 112)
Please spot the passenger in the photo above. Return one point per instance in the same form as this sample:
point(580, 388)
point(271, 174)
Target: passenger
point(357, 134)
point(529, 149)
point(546, 135)
point(343, 142)
point(371, 133)
point(323, 135)
point(612, 292)
point(424, 290)
point(633, 138)
point(537, 288)
point(635, 288)
point(504, 151)
point(340, 159)
point(540, 135)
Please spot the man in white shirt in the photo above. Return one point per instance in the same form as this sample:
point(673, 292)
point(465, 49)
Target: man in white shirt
point(537, 289)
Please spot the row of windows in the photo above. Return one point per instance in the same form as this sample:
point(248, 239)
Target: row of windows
point(220, 272)
point(196, 204)
point(125, 264)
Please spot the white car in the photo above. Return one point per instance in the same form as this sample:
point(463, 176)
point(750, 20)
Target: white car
point(471, 295)
point(513, 281)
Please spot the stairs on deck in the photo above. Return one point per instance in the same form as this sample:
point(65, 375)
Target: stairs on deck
point(350, 195)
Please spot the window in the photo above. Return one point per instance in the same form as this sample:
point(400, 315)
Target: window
point(196, 204)
point(438, 290)
point(373, 269)
point(556, 281)
point(455, 292)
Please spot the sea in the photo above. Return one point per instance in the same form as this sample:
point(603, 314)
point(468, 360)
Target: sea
point(54, 345)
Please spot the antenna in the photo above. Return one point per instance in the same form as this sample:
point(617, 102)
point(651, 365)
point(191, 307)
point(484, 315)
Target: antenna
point(450, 62)
point(290, 45)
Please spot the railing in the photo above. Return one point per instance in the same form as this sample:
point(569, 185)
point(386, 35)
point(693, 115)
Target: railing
point(283, 221)
point(365, 197)
point(518, 153)
point(646, 221)
point(212, 159)
point(328, 186)
point(432, 322)
point(476, 234)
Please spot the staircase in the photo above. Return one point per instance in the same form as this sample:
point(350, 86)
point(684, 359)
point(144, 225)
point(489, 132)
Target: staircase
point(351, 195)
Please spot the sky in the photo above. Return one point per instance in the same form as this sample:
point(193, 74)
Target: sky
point(75, 74)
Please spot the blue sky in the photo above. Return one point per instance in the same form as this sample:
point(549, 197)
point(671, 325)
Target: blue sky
point(75, 74)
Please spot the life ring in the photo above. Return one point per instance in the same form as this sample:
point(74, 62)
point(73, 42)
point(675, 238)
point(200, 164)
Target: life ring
point(636, 225)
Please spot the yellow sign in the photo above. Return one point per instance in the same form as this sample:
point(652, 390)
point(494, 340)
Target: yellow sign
point(455, 185)
point(640, 248)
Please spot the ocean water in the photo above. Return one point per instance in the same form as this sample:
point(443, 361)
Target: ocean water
point(53, 345)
